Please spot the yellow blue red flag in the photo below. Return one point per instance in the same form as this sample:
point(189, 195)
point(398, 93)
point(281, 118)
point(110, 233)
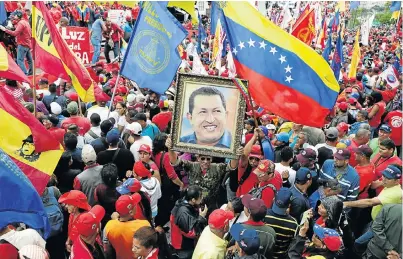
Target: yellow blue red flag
point(27, 142)
point(286, 77)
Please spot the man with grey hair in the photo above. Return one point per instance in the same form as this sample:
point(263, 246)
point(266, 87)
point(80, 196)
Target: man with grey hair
point(361, 138)
point(64, 22)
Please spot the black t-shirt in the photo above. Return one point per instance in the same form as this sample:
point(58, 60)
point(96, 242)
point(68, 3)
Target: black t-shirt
point(124, 160)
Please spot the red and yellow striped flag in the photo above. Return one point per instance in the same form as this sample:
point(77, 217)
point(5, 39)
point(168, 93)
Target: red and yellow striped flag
point(9, 69)
point(27, 142)
point(53, 55)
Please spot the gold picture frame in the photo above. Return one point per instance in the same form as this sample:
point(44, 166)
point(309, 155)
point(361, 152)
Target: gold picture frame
point(219, 124)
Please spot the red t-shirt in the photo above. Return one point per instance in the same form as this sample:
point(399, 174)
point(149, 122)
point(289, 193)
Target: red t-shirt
point(381, 163)
point(376, 120)
point(82, 123)
point(8, 251)
point(353, 145)
point(162, 119)
point(367, 176)
point(58, 134)
point(388, 95)
point(268, 193)
point(395, 121)
point(248, 183)
point(170, 171)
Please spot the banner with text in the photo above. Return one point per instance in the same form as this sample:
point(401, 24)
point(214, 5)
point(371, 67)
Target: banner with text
point(78, 39)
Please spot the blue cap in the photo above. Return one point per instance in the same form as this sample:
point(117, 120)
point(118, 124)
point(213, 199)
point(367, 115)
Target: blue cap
point(283, 137)
point(124, 188)
point(265, 130)
point(392, 172)
point(248, 239)
point(112, 137)
point(329, 237)
point(282, 201)
point(385, 128)
point(303, 175)
point(355, 95)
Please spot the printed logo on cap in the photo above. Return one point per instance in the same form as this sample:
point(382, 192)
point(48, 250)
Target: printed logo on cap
point(340, 151)
point(261, 166)
point(308, 176)
point(303, 153)
point(94, 226)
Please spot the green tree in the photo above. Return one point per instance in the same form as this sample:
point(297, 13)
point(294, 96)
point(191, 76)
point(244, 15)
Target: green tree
point(384, 17)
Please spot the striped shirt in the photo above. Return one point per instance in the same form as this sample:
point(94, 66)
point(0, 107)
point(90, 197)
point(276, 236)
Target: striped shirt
point(16, 92)
point(286, 229)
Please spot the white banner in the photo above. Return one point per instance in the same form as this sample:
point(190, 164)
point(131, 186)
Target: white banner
point(365, 29)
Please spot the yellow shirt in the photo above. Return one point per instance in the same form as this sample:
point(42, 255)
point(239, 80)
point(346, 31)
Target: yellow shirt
point(285, 127)
point(120, 235)
point(391, 195)
point(209, 246)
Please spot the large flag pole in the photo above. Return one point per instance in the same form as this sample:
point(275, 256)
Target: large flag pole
point(33, 61)
point(113, 94)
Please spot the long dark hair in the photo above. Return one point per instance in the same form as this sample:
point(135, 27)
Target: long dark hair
point(159, 143)
point(146, 207)
point(109, 175)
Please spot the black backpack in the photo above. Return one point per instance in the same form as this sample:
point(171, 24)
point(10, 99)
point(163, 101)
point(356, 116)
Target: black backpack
point(256, 192)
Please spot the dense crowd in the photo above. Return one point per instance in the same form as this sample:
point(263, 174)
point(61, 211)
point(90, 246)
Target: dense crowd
point(293, 191)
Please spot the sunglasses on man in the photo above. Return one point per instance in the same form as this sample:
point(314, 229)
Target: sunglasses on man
point(207, 159)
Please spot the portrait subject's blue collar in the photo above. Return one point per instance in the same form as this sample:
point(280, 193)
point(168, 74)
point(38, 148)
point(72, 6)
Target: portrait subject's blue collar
point(225, 140)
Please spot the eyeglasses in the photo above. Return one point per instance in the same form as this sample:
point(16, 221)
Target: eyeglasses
point(207, 159)
point(254, 159)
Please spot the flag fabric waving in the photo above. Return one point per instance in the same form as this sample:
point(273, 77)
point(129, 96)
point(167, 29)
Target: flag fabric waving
point(338, 59)
point(390, 76)
point(286, 77)
point(354, 5)
point(9, 69)
point(201, 35)
point(3, 13)
point(301, 16)
point(328, 49)
point(355, 57)
point(322, 34)
point(218, 44)
point(27, 142)
point(152, 59)
point(19, 201)
point(54, 56)
point(305, 30)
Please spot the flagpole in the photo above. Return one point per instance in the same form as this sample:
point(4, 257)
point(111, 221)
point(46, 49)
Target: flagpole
point(33, 61)
point(113, 94)
point(79, 106)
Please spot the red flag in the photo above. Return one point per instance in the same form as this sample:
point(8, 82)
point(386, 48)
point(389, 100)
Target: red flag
point(305, 30)
point(9, 69)
point(322, 35)
point(302, 16)
point(53, 55)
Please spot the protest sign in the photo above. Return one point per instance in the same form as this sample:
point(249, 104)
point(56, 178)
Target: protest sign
point(78, 39)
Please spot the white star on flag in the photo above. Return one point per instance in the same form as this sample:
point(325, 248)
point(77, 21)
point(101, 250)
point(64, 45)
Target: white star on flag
point(241, 45)
point(273, 50)
point(251, 42)
point(262, 44)
point(282, 59)
point(288, 79)
point(288, 69)
point(234, 51)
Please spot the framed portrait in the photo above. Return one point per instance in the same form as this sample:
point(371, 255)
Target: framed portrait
point(208, 117)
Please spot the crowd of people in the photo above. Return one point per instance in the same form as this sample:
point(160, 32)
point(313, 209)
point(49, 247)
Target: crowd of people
point(293, 191)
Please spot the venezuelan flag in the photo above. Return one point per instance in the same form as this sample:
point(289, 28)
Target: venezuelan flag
point(53, 55)
point(9, 69)
point(356, 56)
point(286, 77)
point(27, 142)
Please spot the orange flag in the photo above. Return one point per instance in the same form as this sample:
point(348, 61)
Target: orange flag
point(305, 30)
point(53, 55)
point(9, 69)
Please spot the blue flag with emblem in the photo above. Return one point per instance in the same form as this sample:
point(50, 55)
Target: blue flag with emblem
point(152, 59)
point(19, 200)
point(3, 13)
point(338, 59)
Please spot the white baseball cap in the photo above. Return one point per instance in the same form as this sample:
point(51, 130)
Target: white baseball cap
point(271, 127)
point(135, 128)
point(55, 108)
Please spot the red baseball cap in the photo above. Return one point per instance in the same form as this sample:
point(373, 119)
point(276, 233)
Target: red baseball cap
point(163, 104)
point(348, 90)
point(145, 148)
point(343, 106)
point(342, 126)
point(118, 99)
point(72, 96)
point(219, 218)
point(126, 203)
point(102, 97)
point(265, 166)
point(140, 170)
point(256, 152)
point(75, 198)
point(352, 100)
point(89, 222)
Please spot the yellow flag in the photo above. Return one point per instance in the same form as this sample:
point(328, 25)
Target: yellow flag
point(341, 6)
point(188, 6)
point(395, 15)
point(356, 57)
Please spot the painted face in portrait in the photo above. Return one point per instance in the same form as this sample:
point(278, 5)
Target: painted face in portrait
point(208, 119)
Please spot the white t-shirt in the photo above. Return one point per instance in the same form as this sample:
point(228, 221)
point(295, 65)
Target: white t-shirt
point(19, 239)
point(334, 149)
point(102, 112)
point(88, 138)
point(291, 172)
point(134, 148)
